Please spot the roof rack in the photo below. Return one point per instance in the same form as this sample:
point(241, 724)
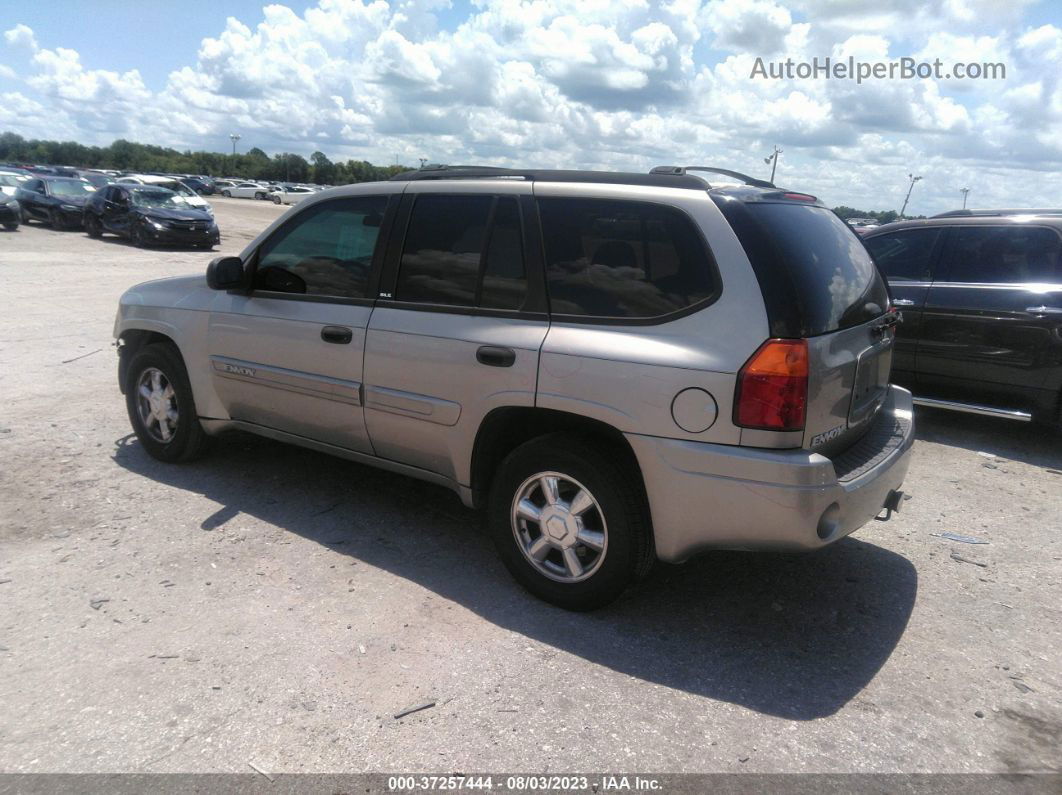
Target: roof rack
point(990, 213)
point(683, 170)
point(660, 180)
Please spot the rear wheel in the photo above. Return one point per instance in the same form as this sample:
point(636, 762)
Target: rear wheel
point(569, 522)
point(161, 408)
point(92, 226)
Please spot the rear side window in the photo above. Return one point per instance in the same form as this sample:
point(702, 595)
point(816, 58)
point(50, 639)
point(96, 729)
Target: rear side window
point(1002, 254)
point(325, 250)
point(815, 274)
point(623, 259)
point(464, 250)
point(904, 256)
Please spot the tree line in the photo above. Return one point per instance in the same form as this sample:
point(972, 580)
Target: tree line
point(255, 164)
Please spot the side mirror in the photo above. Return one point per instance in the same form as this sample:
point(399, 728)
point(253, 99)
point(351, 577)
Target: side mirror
point(225, 273)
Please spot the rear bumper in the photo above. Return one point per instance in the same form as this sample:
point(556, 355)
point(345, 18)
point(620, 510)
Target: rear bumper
point(710, 496)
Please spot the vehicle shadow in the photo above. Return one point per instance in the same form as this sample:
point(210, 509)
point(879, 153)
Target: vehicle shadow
point(1019, 441)
point(794, 636)
point(114, 239)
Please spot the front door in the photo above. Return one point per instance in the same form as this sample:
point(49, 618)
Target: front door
point(992, 321)
point(288, 355)
point(458, 326)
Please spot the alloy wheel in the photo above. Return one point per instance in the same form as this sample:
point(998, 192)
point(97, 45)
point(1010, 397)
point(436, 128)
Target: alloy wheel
point(156, 403)
point(559, 527)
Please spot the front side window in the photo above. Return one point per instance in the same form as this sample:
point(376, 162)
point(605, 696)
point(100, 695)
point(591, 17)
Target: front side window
point(1009, 254)
point(325, 250)
point(622, 259)
point(906, 255)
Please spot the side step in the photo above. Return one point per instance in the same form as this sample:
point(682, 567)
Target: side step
point(973, 408)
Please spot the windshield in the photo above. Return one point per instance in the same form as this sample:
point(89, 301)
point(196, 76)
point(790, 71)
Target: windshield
point(71, 188)
point(158, 198)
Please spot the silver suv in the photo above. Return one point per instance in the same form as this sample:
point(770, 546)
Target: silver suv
point(615, 367)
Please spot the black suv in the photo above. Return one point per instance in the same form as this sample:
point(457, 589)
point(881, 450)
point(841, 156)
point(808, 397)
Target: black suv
point(149, 215)
point(981, 295)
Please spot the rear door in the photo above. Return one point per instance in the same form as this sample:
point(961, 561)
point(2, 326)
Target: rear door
point(991, 328)
point(906, 258)
point(288, 355)
point(458, 324)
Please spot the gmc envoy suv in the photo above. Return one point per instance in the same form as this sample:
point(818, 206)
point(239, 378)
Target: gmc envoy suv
point(615, 368)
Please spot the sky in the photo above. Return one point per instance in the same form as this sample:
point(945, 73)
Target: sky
point(614, 84)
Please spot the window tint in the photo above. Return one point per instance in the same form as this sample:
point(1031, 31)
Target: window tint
point(326, 250)
point(815, 274)
point(1002, 254)
point(622, 259)
point(442, 251)
point(905, 255)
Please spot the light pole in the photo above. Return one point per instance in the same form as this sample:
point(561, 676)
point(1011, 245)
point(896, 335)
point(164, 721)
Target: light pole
point(234, 137)
point(965, 192)
point(773, 160)
point(423, 160)
point(910, 188)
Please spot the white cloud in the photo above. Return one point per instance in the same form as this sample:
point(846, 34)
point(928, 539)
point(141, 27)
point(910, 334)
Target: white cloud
point(587, 83)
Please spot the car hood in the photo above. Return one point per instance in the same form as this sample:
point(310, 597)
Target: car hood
point(176, 215)
point(184, 292)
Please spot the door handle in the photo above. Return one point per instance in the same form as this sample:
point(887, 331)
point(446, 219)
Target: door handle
point(902, 302)
point(339, 335)
point(1044, 310)
point(495, 356)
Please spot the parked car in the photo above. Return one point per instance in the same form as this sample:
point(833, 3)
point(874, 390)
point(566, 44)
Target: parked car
point(290, 195)
point(149, 215)
point(57, 201)
point(246, 190)
point(863, 225)
point(201, 185)
point(96, 178)
point(614, 367)
point(9, 182)
point(186, 194)
point(981, 296)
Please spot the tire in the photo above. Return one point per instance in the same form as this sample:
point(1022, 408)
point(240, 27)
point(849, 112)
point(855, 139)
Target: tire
point(92, 226)
point(54, 221)
point(276, 200)
point(11, 227)
point(25, 216)
point(183, 438)
point(226, 194)
point(140, 238)
point(616, 521)
point(259, 195)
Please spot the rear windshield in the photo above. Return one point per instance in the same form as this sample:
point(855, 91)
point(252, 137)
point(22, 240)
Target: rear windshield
point(815, 273)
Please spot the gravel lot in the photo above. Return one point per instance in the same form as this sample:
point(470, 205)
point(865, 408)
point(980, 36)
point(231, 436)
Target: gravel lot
point(274, 606)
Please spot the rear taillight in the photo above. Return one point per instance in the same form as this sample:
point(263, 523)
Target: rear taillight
point(772, 387)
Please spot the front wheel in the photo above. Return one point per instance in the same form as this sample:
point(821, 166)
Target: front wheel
point(11, 227)
point(568, 519)
point(161, 408)
point(54, 220)
point(140, 237)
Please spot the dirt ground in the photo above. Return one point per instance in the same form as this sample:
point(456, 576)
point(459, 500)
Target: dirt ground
point(276, 607)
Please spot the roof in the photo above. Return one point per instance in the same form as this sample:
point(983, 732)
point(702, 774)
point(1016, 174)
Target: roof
point(1016, 217)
